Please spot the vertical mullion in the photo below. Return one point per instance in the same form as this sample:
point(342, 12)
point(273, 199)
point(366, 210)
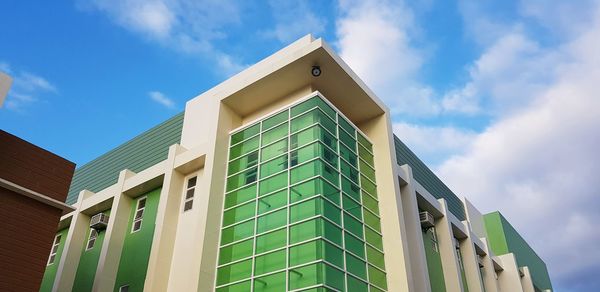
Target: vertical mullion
point(289, 177)
point(256, 203)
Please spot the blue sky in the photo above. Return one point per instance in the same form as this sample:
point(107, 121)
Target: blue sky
point(498, 97)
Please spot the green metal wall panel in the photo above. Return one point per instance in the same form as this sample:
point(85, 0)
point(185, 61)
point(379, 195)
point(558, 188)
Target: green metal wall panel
point(50, 273)
point(428, 179)
point(88, 262)
point(434, 261)
point(133, 264)
point(137, 154)
point(505, 239)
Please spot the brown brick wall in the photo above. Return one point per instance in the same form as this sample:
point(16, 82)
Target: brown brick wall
point(27, 226)
point(34, 168)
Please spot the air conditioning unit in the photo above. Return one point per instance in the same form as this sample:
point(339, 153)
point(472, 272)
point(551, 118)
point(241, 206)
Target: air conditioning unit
point(99, 221)
point(426, 219)
point(480, 262)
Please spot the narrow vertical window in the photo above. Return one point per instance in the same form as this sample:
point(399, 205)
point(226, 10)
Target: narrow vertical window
point(188, 203)
point(139, 214)
point(54, 249)
point(124, 288)
point(92, 239)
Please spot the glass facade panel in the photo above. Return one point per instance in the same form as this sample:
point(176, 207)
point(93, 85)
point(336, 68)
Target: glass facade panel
point(249, 160)
point(275, 134)
point(235, 252)
point(245, 134)
point(273, 166)
point(301, 209)
point(240, 196)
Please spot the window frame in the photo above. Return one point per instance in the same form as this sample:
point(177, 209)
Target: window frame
point(87, 245)
point(54, 250)
point(137, 209)
point(187, 188)
point(124, 288)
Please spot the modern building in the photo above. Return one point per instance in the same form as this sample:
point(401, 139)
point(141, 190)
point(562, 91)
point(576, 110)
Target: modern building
point(285, 177)
point(33, 187)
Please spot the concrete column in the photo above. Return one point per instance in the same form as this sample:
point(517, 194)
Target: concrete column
point(489, 272)
point(509, 279)
point(163, 242)
point(526, 280)
point(470, 262)
point(414, 236)
point(450, 265)
point(69, 261)
point(110, 254)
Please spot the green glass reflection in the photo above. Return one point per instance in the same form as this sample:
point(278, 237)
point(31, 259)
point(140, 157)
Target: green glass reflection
point(311, 103)
point(310, 118)
point(273, 166)
point(275, 134)
point(274, 150)
point(245, 134)
point(243, 148)
point(240, 196)
point(313, 187)
point(249, 160)
point(275, 120)
point(237, 214)
point(234, 272)
point(271, 283)
point(269, 262)
point(235, 252)
point(271, 241)
point(272, 202)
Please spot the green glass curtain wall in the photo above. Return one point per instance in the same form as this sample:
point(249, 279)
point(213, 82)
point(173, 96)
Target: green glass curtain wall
point(301, 210)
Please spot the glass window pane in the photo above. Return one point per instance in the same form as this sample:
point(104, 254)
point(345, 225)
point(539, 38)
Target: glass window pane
point(245, 134)
point(316, 186)
point(334, 278)
point(373, 238)
point(306, 276)
point(270, 283)
point(316, 149)
point(272, 202)
point(368, 186)
point(273, 166)
point(313, 168)
point(357, 285)
point(333, 254)
point(375, 257)
point(305, 230)
point(239, 287)
point(377, 277)
point(235, 252)
point(273, 150)
point(311, 103)
point(237, 232)
point(306, 252)
point(305, 210)
point(363, 141)
point(273, 183)
point(234, 272)
point(351, 206)
point(275, 120)
point(354, 245)
point(331, 232)
point(243, 148)
point(346, 126)
point(364, 154)
point(310, 118)
point(371, 220)
point(370, 203)
point(243, 162)
point(241, 195)
point(271, 221)
point(349, 171)
point(353, 226)
point(350, 189)
point(348, 155)
point(348, 140)
point(356, 266)
point(312, 134)
point(238, 214)
point(275, 134)
point(271, 241)
point(269, 262)
point(241, 179)
point(367, 170)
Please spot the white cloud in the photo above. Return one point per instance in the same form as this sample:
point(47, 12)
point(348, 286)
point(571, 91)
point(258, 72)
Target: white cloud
point(288, 25)
point(376, 38)
point(188, 26)
point(162, 99)
point(538, 163)
point(26, 88)
point(434, 142)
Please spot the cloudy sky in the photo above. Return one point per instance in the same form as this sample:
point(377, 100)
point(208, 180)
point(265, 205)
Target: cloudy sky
point(496, 96)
